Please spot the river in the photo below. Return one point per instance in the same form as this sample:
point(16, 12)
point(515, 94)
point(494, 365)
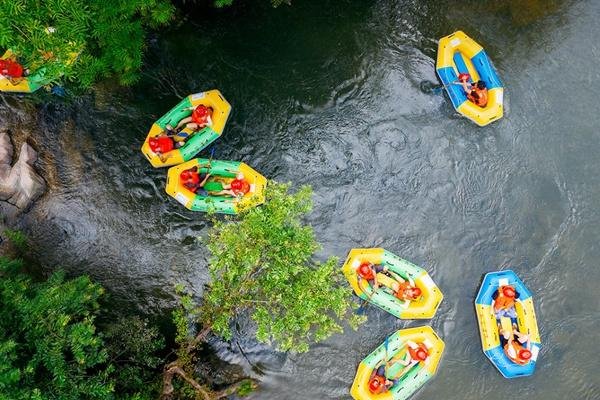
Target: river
point(328, 94)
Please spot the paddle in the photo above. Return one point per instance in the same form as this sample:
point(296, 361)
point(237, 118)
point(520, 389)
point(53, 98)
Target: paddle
point(430, 87)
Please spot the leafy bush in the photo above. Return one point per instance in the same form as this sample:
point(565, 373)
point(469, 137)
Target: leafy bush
point(51, 348)
point(107, 35)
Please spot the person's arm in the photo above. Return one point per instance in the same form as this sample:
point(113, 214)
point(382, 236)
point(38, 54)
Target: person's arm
point(405, 360)
point(465, 86)
point(204, 180)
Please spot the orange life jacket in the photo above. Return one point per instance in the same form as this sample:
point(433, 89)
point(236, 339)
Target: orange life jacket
point(517, 347)
point(402, 289)
point(503, 302)
point(414, 352)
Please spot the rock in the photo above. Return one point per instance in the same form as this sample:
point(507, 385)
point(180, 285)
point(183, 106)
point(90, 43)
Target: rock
point(6, 153)
point(20, 185)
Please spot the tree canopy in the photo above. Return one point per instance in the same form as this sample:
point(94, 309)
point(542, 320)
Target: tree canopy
point(264, 264)
point(82, 39)
point(52, 348)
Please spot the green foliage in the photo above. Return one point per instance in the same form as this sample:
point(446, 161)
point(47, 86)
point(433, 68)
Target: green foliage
point(18, 239)
point(263, 263)
point(50, 347)
point(107, 35)
point(132, 346)
point(275, 3)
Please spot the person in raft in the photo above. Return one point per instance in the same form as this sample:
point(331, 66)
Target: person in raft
point(379, 382)
point(198, 183)
point(161, 145)
point(12, 70)
point(200, 118)
point(517, 347)
point(405, 290)
point(368, 271)
point(476, 93)
point(504, 299)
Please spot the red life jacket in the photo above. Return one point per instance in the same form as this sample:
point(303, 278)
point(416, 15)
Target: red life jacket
point(161, 144)
point(201, 114)
point(190, 179)
point(11, 69)
point(240, 186)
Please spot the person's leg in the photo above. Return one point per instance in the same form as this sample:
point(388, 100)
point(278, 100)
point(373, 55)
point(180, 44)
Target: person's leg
point(192, 126)
point(183, 122)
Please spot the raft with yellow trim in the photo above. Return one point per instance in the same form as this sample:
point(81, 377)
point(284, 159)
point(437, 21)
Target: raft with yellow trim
point(457, 54)
point(222, 172)
point(488, 324)
point(197, 141)
point(30, 83)
point(422, 308)
point(407, 379)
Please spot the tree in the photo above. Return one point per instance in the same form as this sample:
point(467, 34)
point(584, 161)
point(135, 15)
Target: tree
point(52, 348)
point(262, 264)
point(81, 39)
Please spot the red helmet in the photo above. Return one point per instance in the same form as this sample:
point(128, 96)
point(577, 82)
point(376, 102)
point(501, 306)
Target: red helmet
point(524, 354)
point(201, 113)
point(422, 354)
point(509, 291)
point(365, 268)
point(376, 383)
point(240, 186)
point(185, 175)
point(416, 292)
point(153, 143)
point(463, 76)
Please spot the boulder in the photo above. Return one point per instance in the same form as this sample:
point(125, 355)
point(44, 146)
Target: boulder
point(20, 185)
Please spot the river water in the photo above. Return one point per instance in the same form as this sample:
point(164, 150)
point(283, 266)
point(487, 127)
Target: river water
point(327, 94)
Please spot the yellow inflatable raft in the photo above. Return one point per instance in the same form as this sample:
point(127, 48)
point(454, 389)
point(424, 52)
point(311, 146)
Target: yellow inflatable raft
point(422, 308)
point(458, 53)
point(407, 380)
point(195, 141)
point(222, 172)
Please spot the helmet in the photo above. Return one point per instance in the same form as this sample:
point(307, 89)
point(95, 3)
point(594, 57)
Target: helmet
point(185, 175)
point(236, 185)
point(524, 354)
point(463, 76)
point(422, 354)
point(153, 143)
point(375, 383)
point(365, 268)
point(200, 114)
point(416, 292)
point(509, 291)
point(481, 84)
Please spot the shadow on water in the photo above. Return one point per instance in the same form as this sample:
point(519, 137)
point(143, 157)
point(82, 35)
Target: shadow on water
point(328, 94)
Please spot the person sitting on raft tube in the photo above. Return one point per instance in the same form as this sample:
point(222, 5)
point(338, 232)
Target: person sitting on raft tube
point(161, 145)
point(504, 299)
point(200, 118)
point(405, 290)
point(195, 182)
point(476, 93)
point(368, 271)
point(517, 346)
point(12, 70)
point(378, 383)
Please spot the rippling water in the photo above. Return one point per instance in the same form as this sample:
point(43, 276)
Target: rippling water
point(328, 94)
